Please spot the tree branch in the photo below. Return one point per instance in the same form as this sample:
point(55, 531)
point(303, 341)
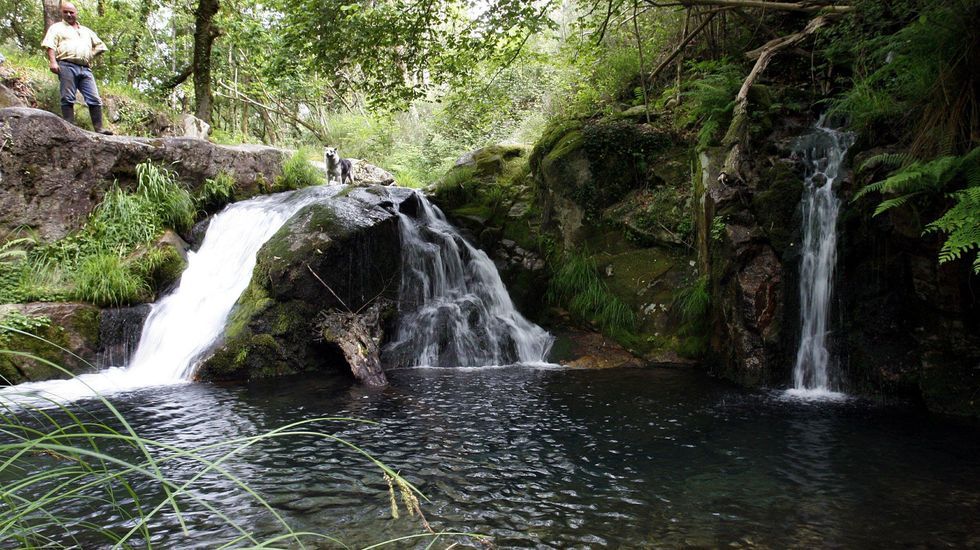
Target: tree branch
point(177, 79)
point(805, 7)
point(318, 132)
point(736, 139)
point(687, 40)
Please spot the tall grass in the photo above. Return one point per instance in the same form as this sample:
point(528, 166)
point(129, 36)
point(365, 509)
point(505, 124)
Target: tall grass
point(94, 263)
point(57, 461)
point(578, 287)
point(297, 172)
point(106, 280)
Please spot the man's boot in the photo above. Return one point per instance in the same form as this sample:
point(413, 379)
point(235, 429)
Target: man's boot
point(68, 113)
point(96, 112)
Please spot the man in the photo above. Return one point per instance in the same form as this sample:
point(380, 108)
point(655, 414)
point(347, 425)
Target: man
point(71, 49)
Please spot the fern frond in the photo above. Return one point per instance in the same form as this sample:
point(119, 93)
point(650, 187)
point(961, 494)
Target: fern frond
point(888, 161)
point(875, 187)
point(894, 202)
point(961, 224)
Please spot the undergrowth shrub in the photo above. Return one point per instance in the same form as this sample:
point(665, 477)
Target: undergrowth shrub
point(577, 286)
point(105, 279)
point(920, 85)
point(298, 172)
point(710, 99)
point(94, 263)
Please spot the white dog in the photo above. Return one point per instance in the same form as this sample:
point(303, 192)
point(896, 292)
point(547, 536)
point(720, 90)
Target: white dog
point(337, 168)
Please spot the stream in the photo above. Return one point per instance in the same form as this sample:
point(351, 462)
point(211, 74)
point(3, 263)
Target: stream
point(561, 458)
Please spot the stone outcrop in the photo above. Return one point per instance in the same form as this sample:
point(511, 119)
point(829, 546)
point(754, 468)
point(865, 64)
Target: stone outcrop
point(910, 326)
point(53, 174)
point(333, 261)
point(64, 334)
point(747, 278)
point(76, 337)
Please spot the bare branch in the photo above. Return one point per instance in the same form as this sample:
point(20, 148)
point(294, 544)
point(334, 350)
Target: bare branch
point(737, 136)
point(804, 7)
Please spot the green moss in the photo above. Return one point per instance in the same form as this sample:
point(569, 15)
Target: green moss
point(568, 143)
point(775, 206)
point(161, 267)
point(253, 301)
point(323, 218)
point(553, 133)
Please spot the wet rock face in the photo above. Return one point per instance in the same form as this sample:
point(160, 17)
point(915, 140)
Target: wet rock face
point(747, 274)
point(53, 174)
point(331, 260)
point(911, 326)
point(119, 333)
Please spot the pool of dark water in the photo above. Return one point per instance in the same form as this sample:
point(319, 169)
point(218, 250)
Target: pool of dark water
point(557, 458)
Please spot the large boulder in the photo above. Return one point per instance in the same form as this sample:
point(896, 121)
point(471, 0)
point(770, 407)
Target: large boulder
point(342, 256)
point(52, 174)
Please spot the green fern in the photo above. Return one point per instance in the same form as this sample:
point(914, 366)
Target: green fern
point(961, 224)
point(914, 179)
point(711, 99)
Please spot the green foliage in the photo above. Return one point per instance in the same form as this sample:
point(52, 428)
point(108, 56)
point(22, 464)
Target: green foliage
point(404, 50)
point(216, 192)
point(910, 180)
point(717, 228)
point(961, 224)
point(172, 204)
point(13, 321)
point(106, 280)
point(921, 84)
point(710, 98)
point(298, 172)
point(95, 264)
point(577, 286)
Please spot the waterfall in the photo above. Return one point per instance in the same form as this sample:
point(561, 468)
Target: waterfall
point(822, 152)
point(453, 308)
point(183, 325)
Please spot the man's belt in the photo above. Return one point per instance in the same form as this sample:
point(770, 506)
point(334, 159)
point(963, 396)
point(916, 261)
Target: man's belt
point(73, 62)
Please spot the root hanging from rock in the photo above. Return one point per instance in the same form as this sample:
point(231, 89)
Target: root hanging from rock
point(358, 335)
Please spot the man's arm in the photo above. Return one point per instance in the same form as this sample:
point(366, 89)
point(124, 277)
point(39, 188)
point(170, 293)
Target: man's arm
point(50, 42)
point(98, 46)
point(52, 62)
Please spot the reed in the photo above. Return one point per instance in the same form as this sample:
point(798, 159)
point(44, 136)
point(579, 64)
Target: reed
point(56, 460)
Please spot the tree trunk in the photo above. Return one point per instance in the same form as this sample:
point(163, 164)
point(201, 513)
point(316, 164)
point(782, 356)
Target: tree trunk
point(134, 57)
point(204, 34)
point(52, 12)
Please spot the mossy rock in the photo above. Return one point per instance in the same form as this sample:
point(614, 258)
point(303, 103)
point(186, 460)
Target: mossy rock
point(553, 133)
point(339, 255)
point(776, 204)
point(71, 326)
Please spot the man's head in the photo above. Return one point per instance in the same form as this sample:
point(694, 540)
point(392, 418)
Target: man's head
point(69, 13)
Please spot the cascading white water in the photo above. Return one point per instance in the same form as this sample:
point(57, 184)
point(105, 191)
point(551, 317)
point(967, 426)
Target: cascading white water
point(184, 324)
point(454, 310)
point(823, 152)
